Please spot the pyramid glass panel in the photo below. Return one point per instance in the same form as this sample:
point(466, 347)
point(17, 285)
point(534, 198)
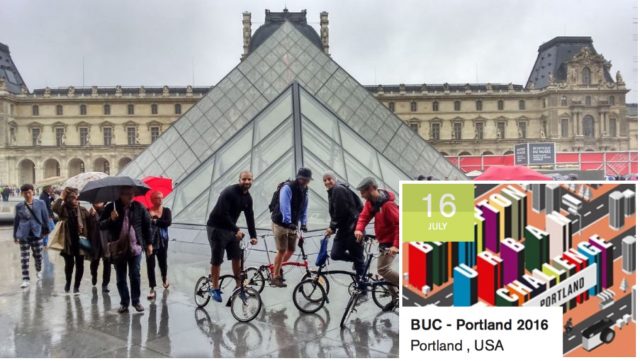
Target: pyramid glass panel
point(250, 120)
point(272, 148)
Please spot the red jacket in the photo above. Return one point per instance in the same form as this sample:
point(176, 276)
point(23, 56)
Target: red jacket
point(387, 221)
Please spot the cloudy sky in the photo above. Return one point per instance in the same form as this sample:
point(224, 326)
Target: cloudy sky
point(150, 43)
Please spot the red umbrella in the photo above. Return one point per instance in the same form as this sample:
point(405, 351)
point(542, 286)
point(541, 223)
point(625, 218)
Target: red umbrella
point(161, 184)
point(511, 172)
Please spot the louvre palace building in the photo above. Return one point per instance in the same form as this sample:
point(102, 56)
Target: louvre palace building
point(570, 98)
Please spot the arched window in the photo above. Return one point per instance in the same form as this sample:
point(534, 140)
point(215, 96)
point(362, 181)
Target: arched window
point(35, 110)
point(130, 109)
point(456, 105)
point(154, 108)
point(178, 109)
point(500, 105)
point(414, 106)
point(59, 109)
point(612, 100)
point(83, 109)
point(107, 109)
point(435, 106)
point(478, 105)
point(586, 76)
point(392, 106)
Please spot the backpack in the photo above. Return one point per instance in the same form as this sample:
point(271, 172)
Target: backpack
point(275, 198)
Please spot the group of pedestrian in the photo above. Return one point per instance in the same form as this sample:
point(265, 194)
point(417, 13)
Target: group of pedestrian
point(116, 233)
point(288, 207)
point(6, 192)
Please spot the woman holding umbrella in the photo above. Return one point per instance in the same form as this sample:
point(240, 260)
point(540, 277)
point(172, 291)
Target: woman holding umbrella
point(77, 220)
point(160, 222)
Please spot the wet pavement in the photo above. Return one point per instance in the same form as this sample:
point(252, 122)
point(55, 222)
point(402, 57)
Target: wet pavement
point(43, 321)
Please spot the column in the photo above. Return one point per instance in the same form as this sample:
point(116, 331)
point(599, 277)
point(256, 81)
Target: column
point(578, 123)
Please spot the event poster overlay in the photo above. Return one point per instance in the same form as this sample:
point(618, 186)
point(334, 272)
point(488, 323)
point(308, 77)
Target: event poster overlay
point(565, 253)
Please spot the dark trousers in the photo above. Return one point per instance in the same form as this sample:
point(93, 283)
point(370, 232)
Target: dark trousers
point(106, 270)
point(161, 253)
point(345, 248)
point(69, 263)
point(132, 263)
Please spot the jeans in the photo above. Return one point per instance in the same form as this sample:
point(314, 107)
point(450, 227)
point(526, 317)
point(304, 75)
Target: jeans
point(106, 270)
point(69, 262)
point(345, 248)
point(161, 253)
point(133, 265)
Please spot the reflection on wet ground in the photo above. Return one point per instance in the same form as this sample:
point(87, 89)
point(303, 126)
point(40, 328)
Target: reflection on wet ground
point(43, 321)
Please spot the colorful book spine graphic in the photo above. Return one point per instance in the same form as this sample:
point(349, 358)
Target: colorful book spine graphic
point(504, 206)
point(489, 269)
point(558, 274)
point(453, 257)
point(505, 298)
point(439, 263)
point(580, 262)
point(606, 256)
point(420, 259)
point(535, 283)
point(560, 263)
point(519, 210)
point(491, 226)
point(521, 291)
point(559, 228)
point(536, 251)
point(465, 286)
point(479, 226)
point(592, 254)
point(512, 254)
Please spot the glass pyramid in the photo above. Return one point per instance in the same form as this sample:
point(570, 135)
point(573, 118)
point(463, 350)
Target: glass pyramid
point(285, 106)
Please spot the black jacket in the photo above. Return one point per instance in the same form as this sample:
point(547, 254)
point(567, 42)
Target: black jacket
point(163, 222)
point(344, 207)
point(47, 199)
point(138, 218)
point(230, 204)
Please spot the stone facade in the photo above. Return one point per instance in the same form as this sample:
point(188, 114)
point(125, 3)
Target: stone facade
point(570, 99)
point(51, 133)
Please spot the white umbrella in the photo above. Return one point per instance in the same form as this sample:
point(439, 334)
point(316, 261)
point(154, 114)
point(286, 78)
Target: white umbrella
point(80, 180)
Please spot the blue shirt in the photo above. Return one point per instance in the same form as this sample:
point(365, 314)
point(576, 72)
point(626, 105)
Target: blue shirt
point(285, 205)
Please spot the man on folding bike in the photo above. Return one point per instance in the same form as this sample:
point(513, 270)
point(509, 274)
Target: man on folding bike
point(224, 234)
point(344, 208)
point(380, 205)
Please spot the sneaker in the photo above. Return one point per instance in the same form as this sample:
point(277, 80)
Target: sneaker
point(24, 284)
point(139, 307)
point(105, 289)
point(279, 283)
point(362, 298)
point(216, 294)
point(389, 306)
point(39, 275)
point(67, 287)
point(76, 290)
point(123, 309)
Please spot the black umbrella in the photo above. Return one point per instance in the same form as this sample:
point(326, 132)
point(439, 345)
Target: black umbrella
point(108, 189)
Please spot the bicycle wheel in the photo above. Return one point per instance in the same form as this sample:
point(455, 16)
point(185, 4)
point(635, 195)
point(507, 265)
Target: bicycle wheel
point(246, 303)
point(255, 279)
point(385, 295)
point(322, 280)
point(309, 296)
point(201, 292)
point(351, 306)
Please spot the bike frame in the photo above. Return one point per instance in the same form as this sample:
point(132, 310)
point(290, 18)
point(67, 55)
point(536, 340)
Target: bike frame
point(270, 266)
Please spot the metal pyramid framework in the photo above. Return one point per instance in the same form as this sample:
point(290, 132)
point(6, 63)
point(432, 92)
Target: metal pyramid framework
point(287, 105)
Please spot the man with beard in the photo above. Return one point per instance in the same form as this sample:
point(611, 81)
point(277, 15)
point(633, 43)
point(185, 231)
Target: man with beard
point(224, 234)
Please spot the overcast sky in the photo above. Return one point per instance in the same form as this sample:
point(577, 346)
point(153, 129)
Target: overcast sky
point(170, 42)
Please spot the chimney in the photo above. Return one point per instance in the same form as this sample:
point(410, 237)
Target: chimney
point(324, 31)
point(246, 34)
